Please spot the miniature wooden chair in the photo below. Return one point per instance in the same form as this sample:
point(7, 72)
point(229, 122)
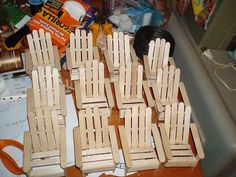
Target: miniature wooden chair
point(136, 140)
point(175, 137)
point(41, 51)
point(118, 53)
point(167, 86)
point(47, 92)
point(80, 51)
point(44, 145)
point(95, 142)
point(158, 56)
point(93, 89)
point(129, 88)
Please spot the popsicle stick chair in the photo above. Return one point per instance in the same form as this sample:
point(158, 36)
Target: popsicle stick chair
point(118, 53)
point(158, 56)
point(47, 92)
point(80, 51)
point(130, 86)
point(41, 51)
point(95, 142)
point(175, 132)
point(167, 87)
point(44, 145)
point(136, 139)
point(93, 89)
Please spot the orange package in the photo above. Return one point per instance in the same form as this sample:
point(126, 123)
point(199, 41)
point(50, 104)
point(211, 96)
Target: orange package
point(47, 19)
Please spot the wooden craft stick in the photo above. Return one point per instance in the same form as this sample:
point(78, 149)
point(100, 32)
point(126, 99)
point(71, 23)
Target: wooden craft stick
point(32, 50)
point(37, 47)
point(186, 124)
point(128, 125)
point(139, 81)
point(84, 45)
point(101, 80)
point(51, 51)
point(43, 46)
point(115, 49)
point(98, 129)
point(77, 47)
point(127, 49)
point(95, 79)
point(155, 61)
point(122, 53)
point(134, 125)
point(180, 121)
point(166, 54)
point(141, 125)
point(49, 85)
point(83, 132)
point(148, 127)
point(90, 47)
point(90, 128)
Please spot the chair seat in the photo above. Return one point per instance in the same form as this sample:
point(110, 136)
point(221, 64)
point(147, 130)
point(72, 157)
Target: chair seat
point(50, 171)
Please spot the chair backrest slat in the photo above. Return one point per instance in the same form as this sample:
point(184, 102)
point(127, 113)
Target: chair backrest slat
point(177, 122)
point(83, 130)
point(90, 128)
point(101, 79)
point(98, 127)
point(88, 79)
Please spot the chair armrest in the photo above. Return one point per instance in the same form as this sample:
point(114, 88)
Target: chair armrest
point(108, 61)
point(28, 62)
point(118, 95)
point(184, 94)
point(109, 92)
point(197, 141)
point(148, 94)
point(62, 100)
point(27, 152)
point(114, 145)
point(68, 59)
point(78, 95)
point(165, 141)
point(125, 147)
point(63, 155)
point(56, 58)
point(146, 66)
point(78, 148)
point(172, 62)
point(133, 55)
point(96, 55)
point(158, 143)
point(158, 102)
point(30, 100)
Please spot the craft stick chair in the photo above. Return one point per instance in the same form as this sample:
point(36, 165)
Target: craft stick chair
point(47, 92)
point(130, 86)
point(136, 140)
point(118, 53)
point(80, 51)
point(41, 51)
point(95, 142)
point(167, 86)
point(44, 145)
point(93, 89)
point(175, 132)
point(158, 56)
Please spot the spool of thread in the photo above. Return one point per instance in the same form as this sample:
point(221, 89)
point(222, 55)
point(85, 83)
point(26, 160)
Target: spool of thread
point(10, 61)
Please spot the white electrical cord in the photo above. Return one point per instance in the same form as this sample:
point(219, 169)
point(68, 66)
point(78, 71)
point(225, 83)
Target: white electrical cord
point(207, 53)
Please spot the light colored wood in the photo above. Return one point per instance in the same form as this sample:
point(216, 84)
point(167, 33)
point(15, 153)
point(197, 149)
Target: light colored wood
point(129, 88)
point(41, 51)
point(125, 149)
point(63, 150)
point(175, 136)
point(158, 143)
point(166, 87)
point(118, 52)
point(93, 89)
point(80, 51)
point(197, 141)
point(26, 152)
point(158, 57)
point(97, 143)
point(136, 140)
point(184, 94)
